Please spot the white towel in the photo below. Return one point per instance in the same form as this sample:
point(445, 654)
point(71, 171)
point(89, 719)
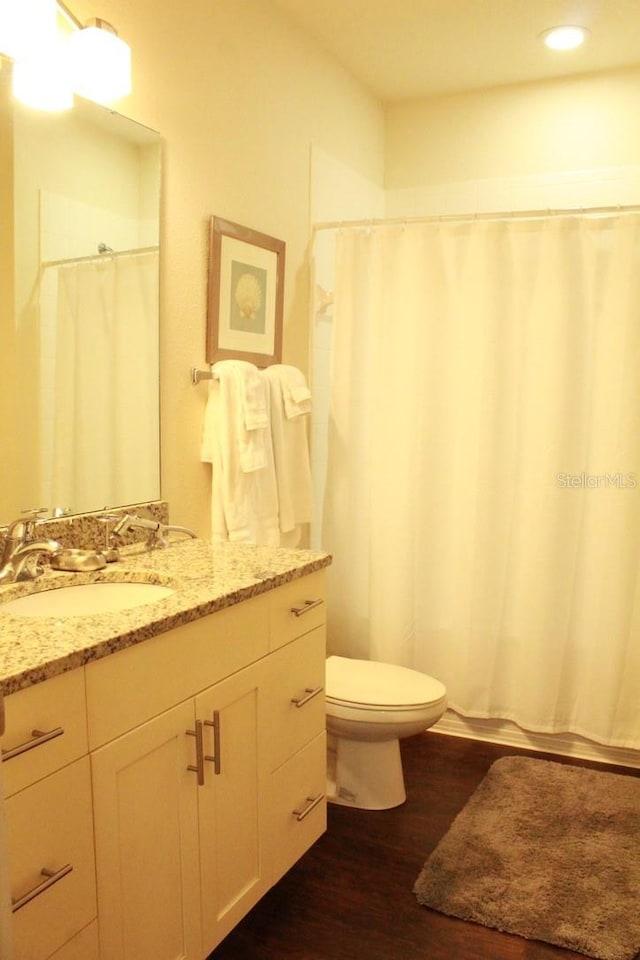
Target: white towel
point(296, 395)
point(244, 503)
point(290, 449)
point(254, 398)
point(246, 402)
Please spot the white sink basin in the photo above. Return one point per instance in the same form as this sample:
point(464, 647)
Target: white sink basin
point(84, 599)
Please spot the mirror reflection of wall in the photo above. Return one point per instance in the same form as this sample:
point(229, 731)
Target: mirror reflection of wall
point(80, 405)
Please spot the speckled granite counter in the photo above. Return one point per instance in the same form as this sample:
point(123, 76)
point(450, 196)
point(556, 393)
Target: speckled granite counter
point(206, 577)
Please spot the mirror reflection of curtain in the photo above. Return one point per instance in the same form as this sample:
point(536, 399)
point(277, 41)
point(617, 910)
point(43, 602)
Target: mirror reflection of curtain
point(106, 433)
point(483, 488)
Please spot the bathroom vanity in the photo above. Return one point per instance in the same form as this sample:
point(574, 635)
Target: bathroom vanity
point(164, 765)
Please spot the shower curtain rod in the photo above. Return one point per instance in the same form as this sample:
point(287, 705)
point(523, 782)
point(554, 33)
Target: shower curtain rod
point(466, 217)
point(99, 256)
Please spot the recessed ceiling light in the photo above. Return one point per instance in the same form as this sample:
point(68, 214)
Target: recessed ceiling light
point(564, 38)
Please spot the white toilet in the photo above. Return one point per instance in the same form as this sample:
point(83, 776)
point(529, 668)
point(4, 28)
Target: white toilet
point(370, 707)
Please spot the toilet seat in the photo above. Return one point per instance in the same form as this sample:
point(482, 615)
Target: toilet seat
point(366, 685)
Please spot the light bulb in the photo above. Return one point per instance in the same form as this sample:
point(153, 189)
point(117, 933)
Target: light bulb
point(564, 38)
point(100, 63)
point(26, 25)
point(42, 80)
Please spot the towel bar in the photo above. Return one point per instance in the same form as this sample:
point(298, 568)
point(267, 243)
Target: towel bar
point(198, 375)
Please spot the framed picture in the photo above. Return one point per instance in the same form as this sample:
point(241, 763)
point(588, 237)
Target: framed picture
point(246, 295)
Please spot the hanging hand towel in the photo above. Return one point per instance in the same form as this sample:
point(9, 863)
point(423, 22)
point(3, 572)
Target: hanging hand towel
point(296, 395)
point(291, 449)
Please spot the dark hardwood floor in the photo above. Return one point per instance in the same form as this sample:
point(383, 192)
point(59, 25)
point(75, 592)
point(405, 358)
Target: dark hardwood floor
point(351, 895)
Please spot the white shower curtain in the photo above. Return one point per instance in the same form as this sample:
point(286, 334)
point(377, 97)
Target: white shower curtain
point(106, 444)
point(483, 487)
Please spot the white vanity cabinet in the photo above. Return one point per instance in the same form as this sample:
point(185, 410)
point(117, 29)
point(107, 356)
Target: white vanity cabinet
point(49, 821)
point(206, 744)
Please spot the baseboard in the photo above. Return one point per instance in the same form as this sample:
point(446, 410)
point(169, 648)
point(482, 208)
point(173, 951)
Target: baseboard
point(510, 734)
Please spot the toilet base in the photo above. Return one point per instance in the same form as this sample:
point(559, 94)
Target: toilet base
point(364, 774)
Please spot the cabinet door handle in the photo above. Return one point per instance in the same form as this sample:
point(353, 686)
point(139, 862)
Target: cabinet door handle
point(215, 759)
point(309, 694)
point(311, 804)
point(38, 738)
point(306, 607)
point(199, 766)
point(51, 877)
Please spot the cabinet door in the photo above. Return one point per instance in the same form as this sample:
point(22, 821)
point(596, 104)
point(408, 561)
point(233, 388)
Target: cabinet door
point(146, 831)
point(231, 801)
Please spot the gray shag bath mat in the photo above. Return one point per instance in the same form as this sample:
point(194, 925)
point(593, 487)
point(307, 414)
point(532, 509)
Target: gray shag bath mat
point(547, 851)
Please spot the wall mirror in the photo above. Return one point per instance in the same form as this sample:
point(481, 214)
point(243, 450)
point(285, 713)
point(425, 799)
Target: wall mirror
point(79, 318)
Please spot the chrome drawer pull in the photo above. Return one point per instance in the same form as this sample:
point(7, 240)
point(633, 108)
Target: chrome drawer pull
point(215, 759)
point(312, 803)
point(51, 877)
point(306, 607)
point(309, 694)
point(199, 767)
point(39, 737)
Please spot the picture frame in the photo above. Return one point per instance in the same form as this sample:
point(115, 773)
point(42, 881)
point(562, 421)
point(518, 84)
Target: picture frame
point(245, 295)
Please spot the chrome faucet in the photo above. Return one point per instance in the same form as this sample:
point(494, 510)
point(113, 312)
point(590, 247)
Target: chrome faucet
point(157, 532)
point(21, 548)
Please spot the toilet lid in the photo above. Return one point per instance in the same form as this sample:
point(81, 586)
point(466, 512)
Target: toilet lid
point(375, 684)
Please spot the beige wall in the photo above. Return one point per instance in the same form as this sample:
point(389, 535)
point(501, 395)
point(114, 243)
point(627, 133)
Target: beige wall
point(8, 376)
point(238, 95)
point(537, 128)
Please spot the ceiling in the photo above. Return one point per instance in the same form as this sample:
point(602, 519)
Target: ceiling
point(403, 49)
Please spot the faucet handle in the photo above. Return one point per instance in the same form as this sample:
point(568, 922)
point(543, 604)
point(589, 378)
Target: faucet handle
point(27, 520)
point(31, 518)
point(110, 549)
point(109, 518)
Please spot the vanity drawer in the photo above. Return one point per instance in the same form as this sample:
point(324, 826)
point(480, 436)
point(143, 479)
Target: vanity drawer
point(296, 608)
point(50, 827)
point(294, 694)
point(298, 810)
point(45, 729)
point(132, 686)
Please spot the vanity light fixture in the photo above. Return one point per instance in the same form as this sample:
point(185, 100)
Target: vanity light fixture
point(55, 55)
point(42, 79)
point(101, 62)
point(564, 38)
point(26, 25)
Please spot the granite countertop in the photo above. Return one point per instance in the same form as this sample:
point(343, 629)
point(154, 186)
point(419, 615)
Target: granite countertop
point(206, 577)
